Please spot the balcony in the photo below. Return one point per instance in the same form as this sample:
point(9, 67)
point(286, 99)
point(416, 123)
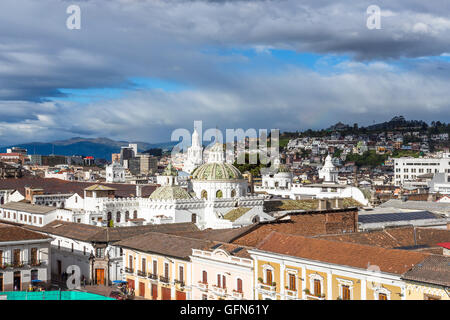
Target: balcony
point(153, 276)
point(219, 291)
point(267, 288)
point(237, 294)
point(202, 285)
point(129, 270)
point(313, 297)
point(180, 282)
point(291, 294)
point(141, 273)
point(164, 279)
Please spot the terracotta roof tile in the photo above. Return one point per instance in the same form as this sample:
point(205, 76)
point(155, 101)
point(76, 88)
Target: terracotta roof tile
point(433, 269)
point(348, 254)
point(14, 233)
point(164, 244)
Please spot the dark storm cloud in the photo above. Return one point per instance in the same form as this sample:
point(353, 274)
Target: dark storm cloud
point(120, 39)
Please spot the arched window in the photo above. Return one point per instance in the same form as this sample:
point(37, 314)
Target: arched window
point(109, 216)
point(219, 194)
point(233, 193)
point(118, 216)
point(135, 214)
point(204, 194)
point(127, 216)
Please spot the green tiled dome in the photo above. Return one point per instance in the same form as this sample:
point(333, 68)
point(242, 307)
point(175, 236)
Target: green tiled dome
point(170, 193)
point(216, 171)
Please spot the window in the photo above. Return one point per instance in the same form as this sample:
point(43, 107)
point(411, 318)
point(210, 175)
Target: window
point(345, 293)
point(269, 278)
point(34, 256)
point(181, 274)
point(135, 214)
point(204, 297)
point(40, 220)
point(166, 270)
point(72, 247)
point(382, 296)
point(155, 267)
point(204, 277)
point(317, 287)
point(98, 252)
point(239, 285)
point(143, 265)
point(292, 282)
point(118, 217)
point(130, 262)
point(16, 257)
point(127, 216)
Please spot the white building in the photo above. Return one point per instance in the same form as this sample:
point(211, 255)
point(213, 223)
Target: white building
point(408, 169)
point(115, 173)
point(281, 184)
point(32, 214)
point(328, 172)
point(194, 154)
point(24, 257)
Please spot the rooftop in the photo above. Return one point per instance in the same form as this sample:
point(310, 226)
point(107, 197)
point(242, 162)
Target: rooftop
point(14, 233)
point(164, 244)
point(348, 254)
point(433, 269)
point(28, 207)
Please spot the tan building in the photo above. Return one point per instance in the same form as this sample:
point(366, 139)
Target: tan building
point(429, 280)
point(300, 268)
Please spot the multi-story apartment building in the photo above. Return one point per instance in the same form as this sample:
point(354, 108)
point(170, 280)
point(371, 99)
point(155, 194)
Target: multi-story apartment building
point(408, 169)
point(157, 266)
point(24, 257)
point(222, 271)
point(296, 267)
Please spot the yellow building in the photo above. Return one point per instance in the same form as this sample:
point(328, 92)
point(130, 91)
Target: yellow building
point(429, 280)
point(157, 265)
point(296, 267)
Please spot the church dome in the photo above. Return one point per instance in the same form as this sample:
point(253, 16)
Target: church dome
point(170, 193)
point(216, 171)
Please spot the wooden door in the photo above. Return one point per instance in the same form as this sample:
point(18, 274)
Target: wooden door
point(180, 295)
point(130, 283)
point(345, 293)
point(154, 291)
point(141, 289)
point(165, 292)
point(100, 276)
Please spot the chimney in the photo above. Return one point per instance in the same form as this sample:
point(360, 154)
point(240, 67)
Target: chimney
point(339, 203)
point(138, 190)
point(324, 204)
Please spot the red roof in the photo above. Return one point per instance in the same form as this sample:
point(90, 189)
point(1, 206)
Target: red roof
point(445, 245)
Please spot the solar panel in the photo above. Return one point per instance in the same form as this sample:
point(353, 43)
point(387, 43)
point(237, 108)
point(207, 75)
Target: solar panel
point(400, 216)
point(216, 246)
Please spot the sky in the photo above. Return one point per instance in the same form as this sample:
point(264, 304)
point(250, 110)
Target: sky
point(138, 69)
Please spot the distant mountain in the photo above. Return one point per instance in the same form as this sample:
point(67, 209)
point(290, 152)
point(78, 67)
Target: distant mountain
point(96, 147)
